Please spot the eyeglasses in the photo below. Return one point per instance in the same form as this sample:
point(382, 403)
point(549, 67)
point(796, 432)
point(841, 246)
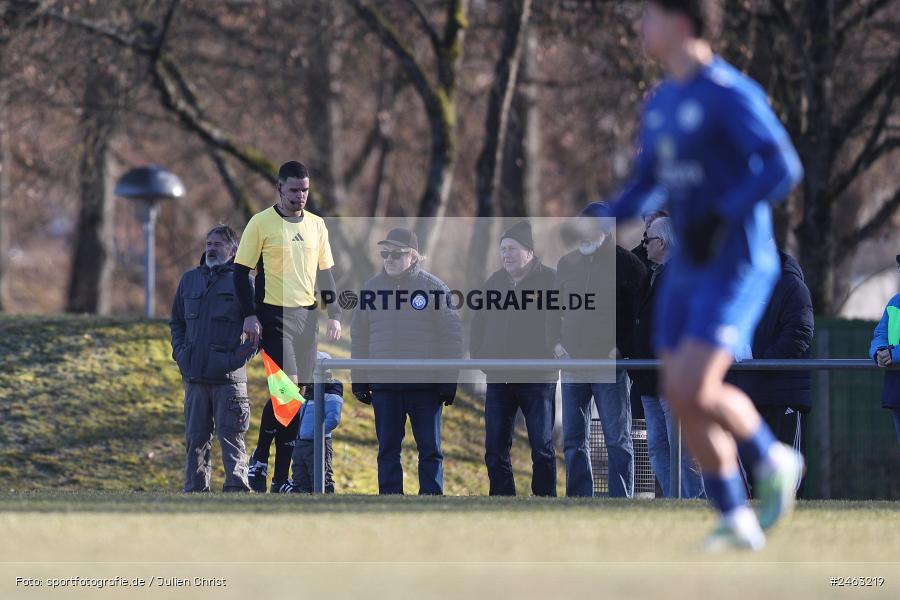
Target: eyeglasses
point(395, 254)
point(646, 240)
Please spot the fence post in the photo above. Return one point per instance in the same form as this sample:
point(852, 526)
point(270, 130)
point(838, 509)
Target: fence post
point(822, 415)
point(319, 435)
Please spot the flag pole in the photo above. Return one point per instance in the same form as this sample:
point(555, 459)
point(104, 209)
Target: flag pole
point(319, 438)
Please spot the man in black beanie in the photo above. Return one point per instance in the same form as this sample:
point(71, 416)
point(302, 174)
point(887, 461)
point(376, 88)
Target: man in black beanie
point(517, 331)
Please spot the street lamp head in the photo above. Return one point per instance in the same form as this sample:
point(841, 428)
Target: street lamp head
point(149, 183)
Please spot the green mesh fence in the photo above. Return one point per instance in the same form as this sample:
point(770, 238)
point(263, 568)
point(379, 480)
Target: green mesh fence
point(851, 445)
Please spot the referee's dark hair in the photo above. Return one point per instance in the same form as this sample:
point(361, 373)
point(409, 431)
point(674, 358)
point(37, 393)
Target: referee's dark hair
point(292, 168)
point(704, 15)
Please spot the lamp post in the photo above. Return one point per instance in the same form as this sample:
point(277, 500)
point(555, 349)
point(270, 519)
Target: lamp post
point(149, 185)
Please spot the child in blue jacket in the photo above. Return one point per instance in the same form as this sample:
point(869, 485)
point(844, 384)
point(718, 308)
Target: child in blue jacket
point(885, 351)
point(303, 469)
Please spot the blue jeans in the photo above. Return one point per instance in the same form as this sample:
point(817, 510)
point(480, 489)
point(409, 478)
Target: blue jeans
point(424, 410)
point(896, 413)
point(614, 408)
point(661, 438)
point(502, 402)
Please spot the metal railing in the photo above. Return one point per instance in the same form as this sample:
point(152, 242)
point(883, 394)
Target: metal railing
point(324, 364)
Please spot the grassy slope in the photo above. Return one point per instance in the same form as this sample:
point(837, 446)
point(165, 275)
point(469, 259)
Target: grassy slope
point(95, 403)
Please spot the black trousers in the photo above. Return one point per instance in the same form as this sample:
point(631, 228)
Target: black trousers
point(270, 429)
point(289, 337)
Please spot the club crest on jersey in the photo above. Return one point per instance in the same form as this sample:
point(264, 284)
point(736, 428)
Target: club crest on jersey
point(665, 148)
point(689, 115)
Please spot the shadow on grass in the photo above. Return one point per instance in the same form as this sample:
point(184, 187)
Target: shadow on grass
point(157, 502)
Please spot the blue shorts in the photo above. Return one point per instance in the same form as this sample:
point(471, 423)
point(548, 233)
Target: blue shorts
point(720, 305)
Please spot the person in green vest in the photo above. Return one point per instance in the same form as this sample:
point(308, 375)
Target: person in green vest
point(885, 351)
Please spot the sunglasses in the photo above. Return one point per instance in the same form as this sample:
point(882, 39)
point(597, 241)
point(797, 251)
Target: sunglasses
point(395, 254)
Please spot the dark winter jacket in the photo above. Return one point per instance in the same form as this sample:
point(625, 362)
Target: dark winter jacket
point(646, 383)
point(206, 327)
point(585, 333)
point(641, 252)
point(785, 331)
point(406, 333)
point(515, 333)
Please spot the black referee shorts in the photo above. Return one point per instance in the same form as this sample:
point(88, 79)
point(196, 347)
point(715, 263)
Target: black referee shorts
point(289, 337)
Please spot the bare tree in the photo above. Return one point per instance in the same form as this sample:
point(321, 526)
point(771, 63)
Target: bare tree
point(827, 46)
point(90, 270)
point(488, 167)
point(438, 96)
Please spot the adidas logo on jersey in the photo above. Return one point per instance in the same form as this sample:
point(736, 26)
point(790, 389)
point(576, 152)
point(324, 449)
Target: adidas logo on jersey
point(297, 238)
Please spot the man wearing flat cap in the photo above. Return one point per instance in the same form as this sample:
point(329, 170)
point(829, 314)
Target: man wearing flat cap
point(517, 332)
point(411, 318)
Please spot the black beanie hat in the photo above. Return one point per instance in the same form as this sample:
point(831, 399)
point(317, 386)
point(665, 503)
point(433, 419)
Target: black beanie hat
point(521, 232)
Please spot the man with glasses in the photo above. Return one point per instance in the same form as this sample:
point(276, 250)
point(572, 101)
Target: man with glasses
point(659, 242)
point(405, 313)
point(641, 249)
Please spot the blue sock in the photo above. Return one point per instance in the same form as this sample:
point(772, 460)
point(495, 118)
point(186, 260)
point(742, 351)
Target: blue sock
point(726, 493)
point(756, 447)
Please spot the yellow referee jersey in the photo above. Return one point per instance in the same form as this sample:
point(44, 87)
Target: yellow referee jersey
point(291, 254)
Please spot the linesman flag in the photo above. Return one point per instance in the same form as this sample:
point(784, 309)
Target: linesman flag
point(286, 398)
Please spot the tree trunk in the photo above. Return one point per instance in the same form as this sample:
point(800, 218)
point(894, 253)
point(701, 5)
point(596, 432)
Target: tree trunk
point(815, 233)
point(518, 193)
point(324, 114)
point(89, 276)
point(490, 162)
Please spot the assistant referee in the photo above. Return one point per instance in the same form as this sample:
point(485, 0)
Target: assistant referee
point(288, 246)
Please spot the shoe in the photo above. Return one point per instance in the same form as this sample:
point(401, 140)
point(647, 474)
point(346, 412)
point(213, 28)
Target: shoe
point(776, 483)
point(256, 476)
point(738, 531)
point(284, 487)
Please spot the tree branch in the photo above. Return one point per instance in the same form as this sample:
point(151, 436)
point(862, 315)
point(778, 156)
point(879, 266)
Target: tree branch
point(854, 20)
point(855, 115)
point(881, 218)
point(391, 38)
point(426, 25)
point(164, 30)
point(113, 35)
point(166, 76)
point(870, 153)
point(451, 44)
point(505, 76)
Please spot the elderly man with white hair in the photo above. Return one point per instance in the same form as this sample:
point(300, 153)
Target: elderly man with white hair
point(661, 431)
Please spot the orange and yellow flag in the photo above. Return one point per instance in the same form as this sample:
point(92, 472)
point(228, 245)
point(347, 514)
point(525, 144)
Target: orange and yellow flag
point(286, 397)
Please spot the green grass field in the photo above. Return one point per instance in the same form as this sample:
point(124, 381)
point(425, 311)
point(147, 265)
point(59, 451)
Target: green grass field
point(409, 547)
point(91, 462)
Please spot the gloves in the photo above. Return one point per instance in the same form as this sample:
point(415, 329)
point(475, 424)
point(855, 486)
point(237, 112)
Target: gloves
point(362, 393)
point(447, 398)
point(704, 238)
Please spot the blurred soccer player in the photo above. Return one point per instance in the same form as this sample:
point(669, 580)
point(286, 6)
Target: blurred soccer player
point(710, 140)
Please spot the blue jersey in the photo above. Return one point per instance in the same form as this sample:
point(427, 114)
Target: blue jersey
point(713, 145)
